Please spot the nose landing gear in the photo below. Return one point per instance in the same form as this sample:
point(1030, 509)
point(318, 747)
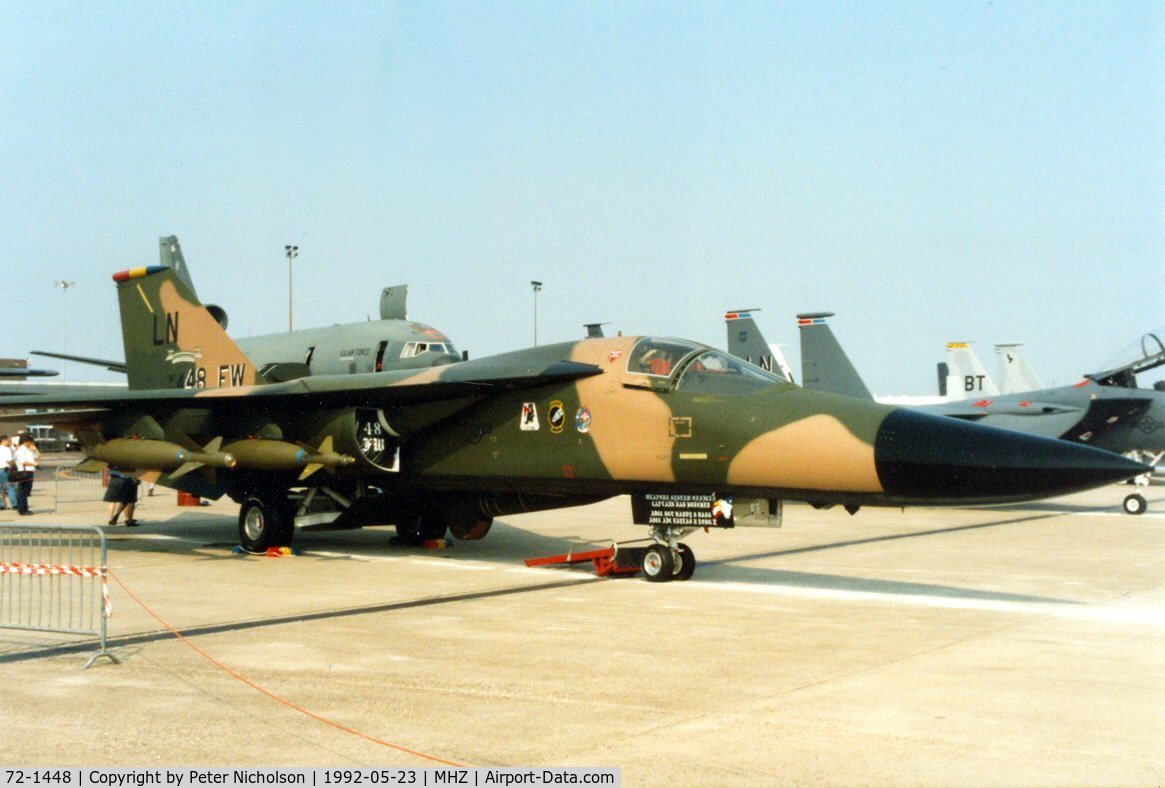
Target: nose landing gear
point(669, 558)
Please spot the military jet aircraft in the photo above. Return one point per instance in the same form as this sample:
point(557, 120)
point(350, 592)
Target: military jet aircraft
point(1105, 410)
point(18, 368)
point(393, 342)
point(966, 377)
point(1015, 372)
point(696, 437)
point(746, 341)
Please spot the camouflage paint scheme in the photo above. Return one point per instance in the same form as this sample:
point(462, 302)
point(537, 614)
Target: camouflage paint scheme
point(613, 416)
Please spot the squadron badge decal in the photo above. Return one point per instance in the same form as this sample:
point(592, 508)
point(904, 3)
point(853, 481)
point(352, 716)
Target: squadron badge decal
point(529, 420)
point(582, 420)
point(557, 416)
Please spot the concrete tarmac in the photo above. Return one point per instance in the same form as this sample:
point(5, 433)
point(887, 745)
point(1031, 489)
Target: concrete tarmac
point(1022, 645)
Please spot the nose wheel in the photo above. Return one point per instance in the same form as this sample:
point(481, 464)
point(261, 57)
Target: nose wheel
point(662, 563)
point(685, 563)
point(658, 564)
point(1135, 504)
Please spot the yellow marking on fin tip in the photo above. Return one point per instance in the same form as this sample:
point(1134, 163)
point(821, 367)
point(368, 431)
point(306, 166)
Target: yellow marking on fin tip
point(146, 300)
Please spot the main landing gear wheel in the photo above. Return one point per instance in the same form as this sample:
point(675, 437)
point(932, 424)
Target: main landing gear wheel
point(419, 529)
point(659, 564)
point(265, 521)
point(1135, 504)
point(685, 563)
point(470, 531)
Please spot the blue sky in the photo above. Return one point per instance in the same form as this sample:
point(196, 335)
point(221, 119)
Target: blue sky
point(931, 172)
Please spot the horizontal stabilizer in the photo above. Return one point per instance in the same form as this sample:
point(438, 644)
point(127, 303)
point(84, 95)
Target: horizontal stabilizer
point(57, 418)
point(112, 366)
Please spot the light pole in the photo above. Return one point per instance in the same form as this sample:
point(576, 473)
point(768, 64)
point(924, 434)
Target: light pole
point(292, 253)
point(64, 285)
point(537, 289)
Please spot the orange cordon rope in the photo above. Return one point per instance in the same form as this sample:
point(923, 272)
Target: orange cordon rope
point(272, 695)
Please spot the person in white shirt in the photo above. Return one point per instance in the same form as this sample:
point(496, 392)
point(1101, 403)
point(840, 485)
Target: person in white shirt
point(7, 463)
point(27, 458)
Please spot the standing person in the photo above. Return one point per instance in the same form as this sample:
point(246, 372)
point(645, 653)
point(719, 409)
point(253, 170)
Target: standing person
point(121, 495)
point(27, 458)
point(7, 463)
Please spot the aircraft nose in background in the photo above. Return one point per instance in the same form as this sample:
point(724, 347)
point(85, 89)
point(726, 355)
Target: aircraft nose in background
point(919, 455)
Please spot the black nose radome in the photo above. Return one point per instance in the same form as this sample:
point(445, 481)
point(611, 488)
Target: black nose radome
point(920, 456)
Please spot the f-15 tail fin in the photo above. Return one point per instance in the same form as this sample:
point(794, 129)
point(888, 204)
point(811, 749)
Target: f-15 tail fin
point(746, 341)
point(1015, 373)
point(824, 365)
point(171, 339)
point(170, 255)
point(967, 378)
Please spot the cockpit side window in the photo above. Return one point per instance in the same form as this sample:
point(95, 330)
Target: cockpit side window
point(658, 357)
point(412, 349)
point(716, 373)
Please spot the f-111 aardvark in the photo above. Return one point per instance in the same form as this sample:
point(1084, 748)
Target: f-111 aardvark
point(696, 437)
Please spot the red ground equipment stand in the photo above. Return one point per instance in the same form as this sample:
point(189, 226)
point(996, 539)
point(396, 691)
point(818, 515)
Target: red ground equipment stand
point(613, 561)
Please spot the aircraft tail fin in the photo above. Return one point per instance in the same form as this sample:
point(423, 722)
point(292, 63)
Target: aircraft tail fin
point(170, 255)
point(967, 378)
point(171, 339)
point(824, 364)
point(1015, 373)
point(393, 302)
point(746, 341)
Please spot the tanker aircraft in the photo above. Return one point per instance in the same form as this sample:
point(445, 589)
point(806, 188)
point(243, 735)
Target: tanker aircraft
point(696, 437)
point(1105, 410)
point(392, 342)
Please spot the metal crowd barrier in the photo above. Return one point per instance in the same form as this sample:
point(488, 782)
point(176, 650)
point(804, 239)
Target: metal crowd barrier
point(71, 486)
point(55, 579)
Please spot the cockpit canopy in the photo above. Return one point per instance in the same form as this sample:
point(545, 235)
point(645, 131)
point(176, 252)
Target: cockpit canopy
point(660, 357)
point(412, 349)
point(698, 369)
point(1140, 356)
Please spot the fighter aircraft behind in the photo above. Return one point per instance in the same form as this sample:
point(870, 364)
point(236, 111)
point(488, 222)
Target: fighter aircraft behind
point(1105, 410)
point(686, 430)
point(746, 341)
point(27, 373)
point(1015, 373)
point(966, 376)
point(393, 342)
point(18, 368)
